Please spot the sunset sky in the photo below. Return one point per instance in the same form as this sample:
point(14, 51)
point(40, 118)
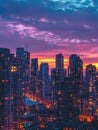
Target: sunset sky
point(48, 27)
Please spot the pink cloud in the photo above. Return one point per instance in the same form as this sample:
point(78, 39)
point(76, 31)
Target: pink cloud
point(45, 20)
point(48, 37)
point(87, 50)
point(86, 26)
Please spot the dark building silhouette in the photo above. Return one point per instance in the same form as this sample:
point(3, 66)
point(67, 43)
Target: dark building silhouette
point(34, 66)
point(15, 111)
point(23, 63)
point(44, 72)
point(60, 66)
point(76, 68)
point(66, 102)
point(8, 92)
point(66, 96)
point(90, 73)
point(4, 86)
point(20, 53)
point(34, 74)
point(76, 73)
point(76, 78)
point(27, 70)
point(36, 82)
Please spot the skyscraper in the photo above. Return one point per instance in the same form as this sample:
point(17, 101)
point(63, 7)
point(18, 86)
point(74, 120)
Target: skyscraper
point(54, 78)
point(60, 66)
point(76, 78)
point(8, 93)
point(27, 70)
point(34, 75)
point(4, 85)
point(34, 66)
point(23, 63)
point(90, 72)
point(44, 71)
point(76, 68)
point(91, 105)
point(20, 53)
point(14, 95)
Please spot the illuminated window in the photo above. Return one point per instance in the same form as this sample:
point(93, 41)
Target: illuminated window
point(59, 92)
point(90, 89)
point(13, 68)
point(2, 81)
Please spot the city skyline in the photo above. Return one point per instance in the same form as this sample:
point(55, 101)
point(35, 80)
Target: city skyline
point(48, 64)
point(65, 92)
point(46, 28)
point(53, 61)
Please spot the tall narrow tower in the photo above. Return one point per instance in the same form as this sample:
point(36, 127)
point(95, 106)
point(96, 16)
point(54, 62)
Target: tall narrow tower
point(44, 70)
point(60, 66)
point(92, 99)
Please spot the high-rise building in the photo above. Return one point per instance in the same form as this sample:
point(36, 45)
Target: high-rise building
point(54, 84)
point(8, 93)
point(27, 70)
point(34, 66)
point(14, 96)
point(27, 57)
point(91, 105)
point(20, 53)
point(44, 71)
point(60, 65)
point(76, 77)
point(96, 86)
point(34, 76)
point(90, 72)
point(4, 86)
point(76, 68)
point(23, 63)
point(66, 106)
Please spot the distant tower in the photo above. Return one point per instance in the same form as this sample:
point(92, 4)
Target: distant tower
point(90, 72)
point(8, 90)
point(76, 68)
point(15, 95)
point(4, 89)
point(60, 66)
point(23, 63)
point(54, 78)
point(34, 75)
point(27, 57)
point(96, 85)
point(44, 71)
point(76, 78)
point(20, 53)
point(34, 66)
point(27, 69)
point(92, 99)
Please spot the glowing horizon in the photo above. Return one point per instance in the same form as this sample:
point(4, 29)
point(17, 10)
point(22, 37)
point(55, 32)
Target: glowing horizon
point(51, 62)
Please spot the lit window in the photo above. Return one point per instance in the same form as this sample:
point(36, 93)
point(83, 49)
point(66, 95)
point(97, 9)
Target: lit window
point(13, 68)
point(90, 89)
